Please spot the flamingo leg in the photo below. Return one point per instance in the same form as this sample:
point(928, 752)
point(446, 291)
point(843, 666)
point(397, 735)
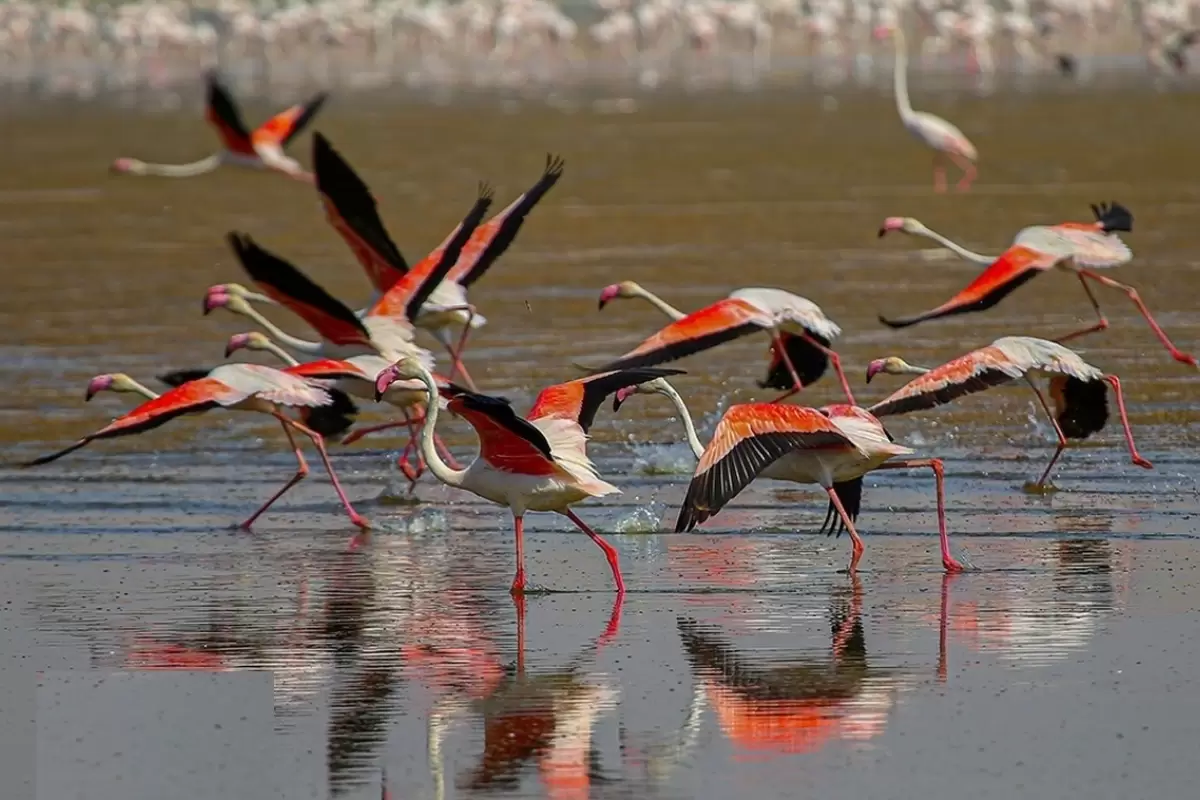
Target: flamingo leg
point(445, 453)
point(301, 474)
point(841, 636)
point(518, 584)
point(1101, 325)
point(798, 385)
point(855, 540)
point(1176, 353)
point(949, 562)
point(939, 173)
point(319, 442)
point(1062, 438)
point(837, 365)
point(1115, 383)
point(407, 422)
point(970, 171)
point(609, 552)
point(457, 350)
point(519, 604)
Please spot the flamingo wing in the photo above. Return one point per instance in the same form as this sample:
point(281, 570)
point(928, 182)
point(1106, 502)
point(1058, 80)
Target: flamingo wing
point(222, 114)
point(493, 238)
point(328, 369)
point(280, 129)
point(701, 330)
point(290, 287)
point(352, 212)
point(506, 440)
point(1013, 267)
point(579, 400)
point(181, 376)
point(191, 397)
point(748, 439)
point(409, 293)
point(810, 363)
point(1092, 247)
point(978, 370)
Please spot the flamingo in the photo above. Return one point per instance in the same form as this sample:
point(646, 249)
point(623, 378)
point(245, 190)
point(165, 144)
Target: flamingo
point(242, 387)
point(1076, 387)
point(535, 463)
point(351, 210)
point(408, 396)
point(1078, 247)
point(946, 140)
point(260, 149)
point(833, 446)
point(800, 334)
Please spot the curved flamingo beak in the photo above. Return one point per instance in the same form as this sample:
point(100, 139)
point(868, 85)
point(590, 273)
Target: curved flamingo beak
point(236, 342)
point(386, 377)
point(891, 224)
point(608, 293)
point(621, 396)
point(874, 368)
point(100, 383)
point(215, 300)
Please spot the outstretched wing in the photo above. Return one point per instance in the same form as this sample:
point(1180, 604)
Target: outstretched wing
point(223, 115)
point(748, 439)
point(506, 440)
point(978, 370)
point(1012, 268)
point(352, 212)
point(701, 330)
point(578, 400)
point(194, 396)
point(280, 129)
point(292, 288)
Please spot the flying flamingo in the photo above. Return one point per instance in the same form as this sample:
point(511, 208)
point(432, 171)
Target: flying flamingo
point(260, 149)
point(351, 210)
point(242, 387)
point(833, 446)
point(408, 396)
point(800, 334)
point(535, 463)
point(1077, 389)
point(946, 141)
point(1078, 247)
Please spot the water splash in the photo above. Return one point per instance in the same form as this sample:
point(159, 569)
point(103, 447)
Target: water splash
point(663, 459)
point(643, 519)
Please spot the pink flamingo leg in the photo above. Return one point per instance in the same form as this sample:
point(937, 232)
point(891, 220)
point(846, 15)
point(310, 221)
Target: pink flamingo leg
point(1101, 325)
point(518, 584)
point(407, 422)
point(1062, 439)
point(939, 174)
point(319, 442)
point(445, 453)
point(301, 474)
point(609, 552)
point(798, 385)
point(457, 350)
point(970, 171)
point(1133, 453)
point(1176, 353)
point(519, 605)
point(856, 541)
point(837, 365)
point(949, 562)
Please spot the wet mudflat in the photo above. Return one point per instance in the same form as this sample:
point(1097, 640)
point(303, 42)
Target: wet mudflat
point(741, 658)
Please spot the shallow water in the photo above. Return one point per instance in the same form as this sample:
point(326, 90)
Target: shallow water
point(741, 657)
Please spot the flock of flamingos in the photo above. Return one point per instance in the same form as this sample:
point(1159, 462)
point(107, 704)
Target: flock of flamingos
point(539, 462)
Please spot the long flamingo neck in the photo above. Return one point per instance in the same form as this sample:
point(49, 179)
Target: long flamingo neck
point(969, 255)
point(273, 330)
point(662, 305)
point(688, 426)
point(900, 76)
point(138, 388)
point(280, 353)
point(440, 469)
point(180, 170)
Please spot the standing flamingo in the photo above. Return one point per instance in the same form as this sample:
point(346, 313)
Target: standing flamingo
point(1078, 247)
point(242, 387)
point(351, 210)
point(946, 141)
point(1076, 388)
point(260, 149)
point(800, 334)
point(535, 463)
point(833, 446)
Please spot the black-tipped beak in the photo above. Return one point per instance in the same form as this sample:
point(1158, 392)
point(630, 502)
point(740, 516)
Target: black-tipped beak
point(882, 232)
point(601, 303)
point(378, 396)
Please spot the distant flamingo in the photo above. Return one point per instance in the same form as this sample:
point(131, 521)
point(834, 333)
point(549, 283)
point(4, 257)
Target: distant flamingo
point(1071, 246)
point(535, 463)
point(260, 149)
point(242, 387)
point(800, 334)
point(833, 446)
point(351, 210)
point(946, 141)
point(1077, 388)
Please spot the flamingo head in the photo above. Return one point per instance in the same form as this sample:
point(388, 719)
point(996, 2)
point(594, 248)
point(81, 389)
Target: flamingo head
point(254, 340)
point(902, 224)
point(407, 368)
point(109, 382)
point(238, 290)
point(129, 166)
point(623, 289)
point(891, 366)
point(656, 386)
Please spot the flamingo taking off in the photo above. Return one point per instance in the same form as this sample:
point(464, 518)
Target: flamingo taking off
point(1078, 247)
point(260, 149)
point(533, 463)
point(800, 334)
point(833, 446)
point(1077, 389)
point(946, 140)
point(242, 387)
point(351, 210)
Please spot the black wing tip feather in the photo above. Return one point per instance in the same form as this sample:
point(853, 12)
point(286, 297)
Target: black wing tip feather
point(1113, 216)
point(810, 363)
point(554, 166)
point(897, 323)
point(1085, 407)
point(500, 409)
point(46, 459)
point(597, 389)
point(335, 418)
point(181, 376)
point(850, 495)
point(453, 250)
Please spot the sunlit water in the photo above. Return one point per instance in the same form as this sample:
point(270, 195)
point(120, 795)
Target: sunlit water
point(742, 660)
